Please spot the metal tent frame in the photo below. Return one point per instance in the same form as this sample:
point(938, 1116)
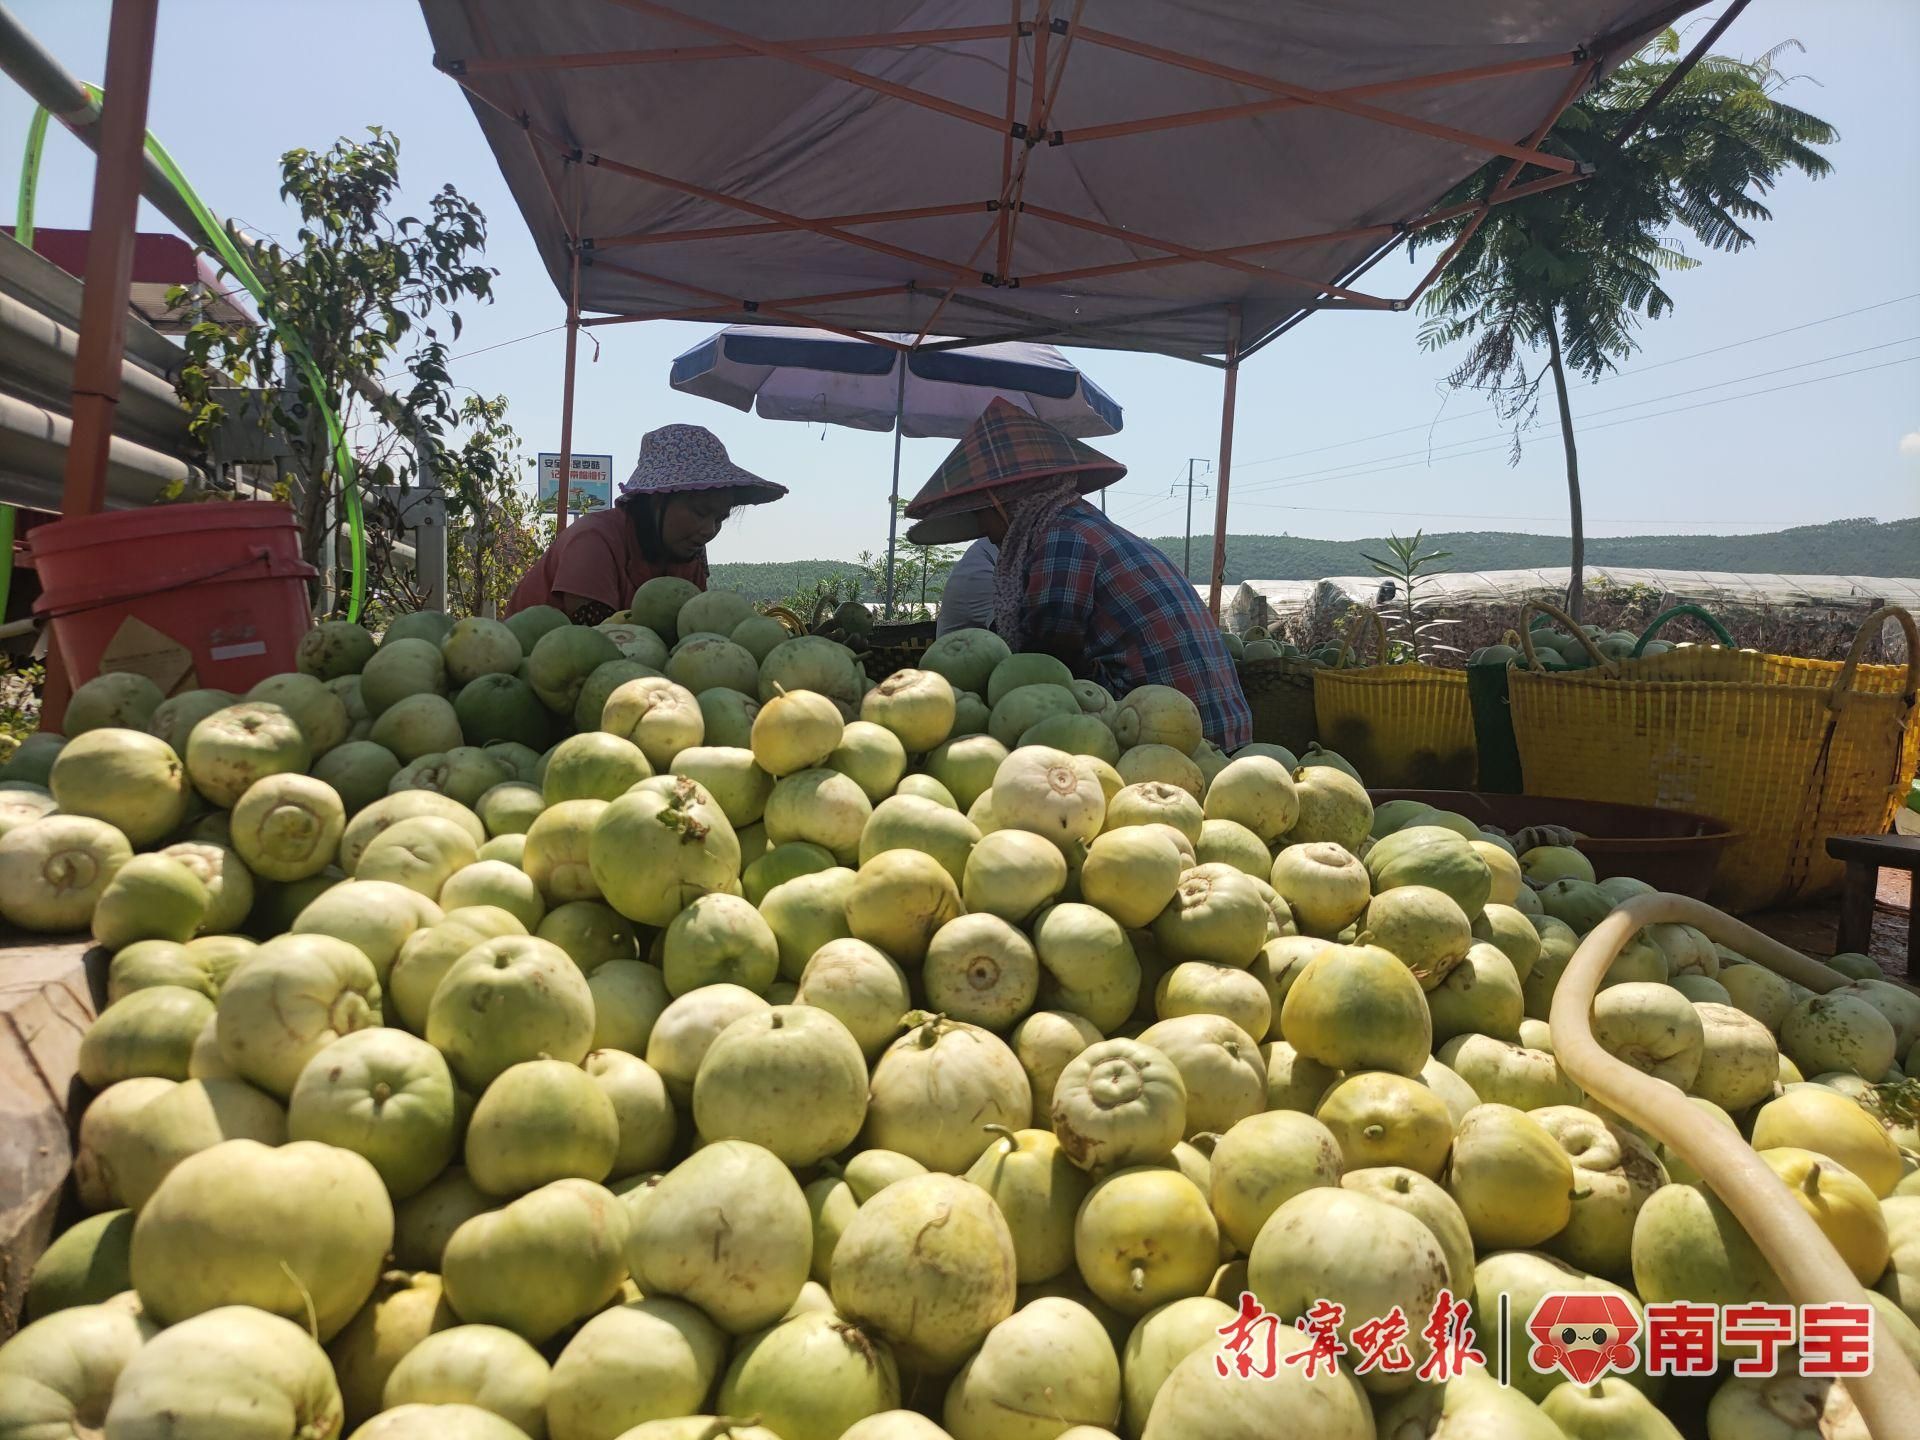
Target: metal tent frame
point(984, 294)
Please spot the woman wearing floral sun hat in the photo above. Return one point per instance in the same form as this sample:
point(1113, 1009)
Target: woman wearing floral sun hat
point(669, 509)
point(1068, 580)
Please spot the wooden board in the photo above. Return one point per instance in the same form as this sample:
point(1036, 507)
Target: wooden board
point(50, 990)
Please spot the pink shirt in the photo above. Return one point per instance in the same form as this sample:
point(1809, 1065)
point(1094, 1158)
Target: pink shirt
point(596, 558)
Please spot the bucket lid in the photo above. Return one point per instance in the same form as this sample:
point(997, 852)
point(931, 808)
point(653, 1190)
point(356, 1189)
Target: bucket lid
point(200, 518)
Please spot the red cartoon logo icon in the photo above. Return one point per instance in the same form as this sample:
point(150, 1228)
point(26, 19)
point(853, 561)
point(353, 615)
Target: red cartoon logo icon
point(1583, 1336)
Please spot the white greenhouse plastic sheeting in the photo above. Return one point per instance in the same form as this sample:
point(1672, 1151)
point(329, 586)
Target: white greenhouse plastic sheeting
point(1260, 602)
point(853, 165)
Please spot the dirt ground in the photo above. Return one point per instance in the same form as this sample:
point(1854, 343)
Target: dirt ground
point(1811, 929)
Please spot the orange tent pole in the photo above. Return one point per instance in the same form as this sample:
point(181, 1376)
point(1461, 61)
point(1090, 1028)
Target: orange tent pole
point(770, 227)
point(702, 192)
point(1226, 460)
point(1153, 123)
point(1213, 257)
point(682, 54)
point(1006, 145)
point(116, 206)
point(730, 307)
point(1330, 99)
point(567, 394)
point(730, 304)
point(804, 58)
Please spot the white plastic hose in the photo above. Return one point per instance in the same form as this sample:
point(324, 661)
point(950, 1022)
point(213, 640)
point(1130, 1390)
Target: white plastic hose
point(1808, 1266)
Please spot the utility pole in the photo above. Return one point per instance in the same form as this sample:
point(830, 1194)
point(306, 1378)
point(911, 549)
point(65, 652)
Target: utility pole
point(1186, 555)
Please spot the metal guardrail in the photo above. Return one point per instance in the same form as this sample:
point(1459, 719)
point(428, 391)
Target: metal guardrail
point(152, 453)
point(50, 86)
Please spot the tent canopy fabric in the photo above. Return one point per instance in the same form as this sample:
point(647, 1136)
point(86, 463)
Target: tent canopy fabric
point(1187, 177)
point(820, 375)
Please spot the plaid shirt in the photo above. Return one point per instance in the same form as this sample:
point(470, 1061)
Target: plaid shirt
point(1109, 594)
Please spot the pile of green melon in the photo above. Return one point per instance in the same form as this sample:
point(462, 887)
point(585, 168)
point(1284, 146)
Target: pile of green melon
point(659, 1031)
point(1555, 649)
point(1257, 643)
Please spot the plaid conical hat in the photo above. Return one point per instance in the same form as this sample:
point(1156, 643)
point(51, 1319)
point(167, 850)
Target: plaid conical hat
point(1006, 447)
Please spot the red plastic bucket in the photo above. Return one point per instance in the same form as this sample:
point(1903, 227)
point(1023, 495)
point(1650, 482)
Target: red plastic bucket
point(204, 596)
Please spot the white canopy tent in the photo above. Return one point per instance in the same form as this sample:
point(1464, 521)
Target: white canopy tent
point(1187, 177)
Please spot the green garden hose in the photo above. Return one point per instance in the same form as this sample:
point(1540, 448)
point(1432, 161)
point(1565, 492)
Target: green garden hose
point(6, 558)
point(30, 178)
point(23, 232)
point(290, 339)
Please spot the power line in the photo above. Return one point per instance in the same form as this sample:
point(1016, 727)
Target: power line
point(1152, 497)
point(535, 335)
point(1334, 471)
point(1617, 375)
point(1360, 468)
point(1736, 344)
point(1154, 504)
point(1633, 419)
point(1155, 501)
point(1408, 459)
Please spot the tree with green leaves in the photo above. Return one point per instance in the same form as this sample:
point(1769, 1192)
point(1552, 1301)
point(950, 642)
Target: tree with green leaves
point(919, 577)
point(495, 529)
point(1573, 270)
point(375, 295)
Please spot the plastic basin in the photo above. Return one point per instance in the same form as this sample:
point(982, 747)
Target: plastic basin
point(1672, 850)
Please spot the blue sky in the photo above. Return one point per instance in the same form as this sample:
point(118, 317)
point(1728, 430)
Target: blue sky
point(1335, 420)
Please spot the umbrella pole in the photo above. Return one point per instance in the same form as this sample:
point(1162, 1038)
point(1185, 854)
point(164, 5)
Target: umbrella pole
point(573, 352)
point(893, 505)
point(566, 420)
point(1226, 460)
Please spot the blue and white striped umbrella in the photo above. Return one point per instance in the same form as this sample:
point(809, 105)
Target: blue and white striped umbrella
point(784, 373)
point(818, 375)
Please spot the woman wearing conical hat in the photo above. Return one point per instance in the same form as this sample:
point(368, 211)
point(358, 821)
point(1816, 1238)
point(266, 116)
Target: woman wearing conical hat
point(1068, 580)
point(669, 509)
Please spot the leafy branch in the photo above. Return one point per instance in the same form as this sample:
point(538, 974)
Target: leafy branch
point(1411, 630)
point(376, 296)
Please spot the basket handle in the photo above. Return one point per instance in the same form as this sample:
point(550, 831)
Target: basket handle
point(1869, 628)
point(1688, 609)
point(1570, 625)
point(1362, 614)
point(793, 624)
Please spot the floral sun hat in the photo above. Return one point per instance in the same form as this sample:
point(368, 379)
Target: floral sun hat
point(676, 459)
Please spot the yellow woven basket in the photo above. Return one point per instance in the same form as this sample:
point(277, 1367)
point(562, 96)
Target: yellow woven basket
point(1785, 751)
point(1404, 727)
point(1280, 695)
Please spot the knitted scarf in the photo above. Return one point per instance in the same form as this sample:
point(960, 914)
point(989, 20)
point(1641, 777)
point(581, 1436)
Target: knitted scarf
point(1028, 521)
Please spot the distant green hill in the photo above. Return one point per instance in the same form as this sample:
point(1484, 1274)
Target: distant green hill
point(1842, 547)
point(775, 580)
